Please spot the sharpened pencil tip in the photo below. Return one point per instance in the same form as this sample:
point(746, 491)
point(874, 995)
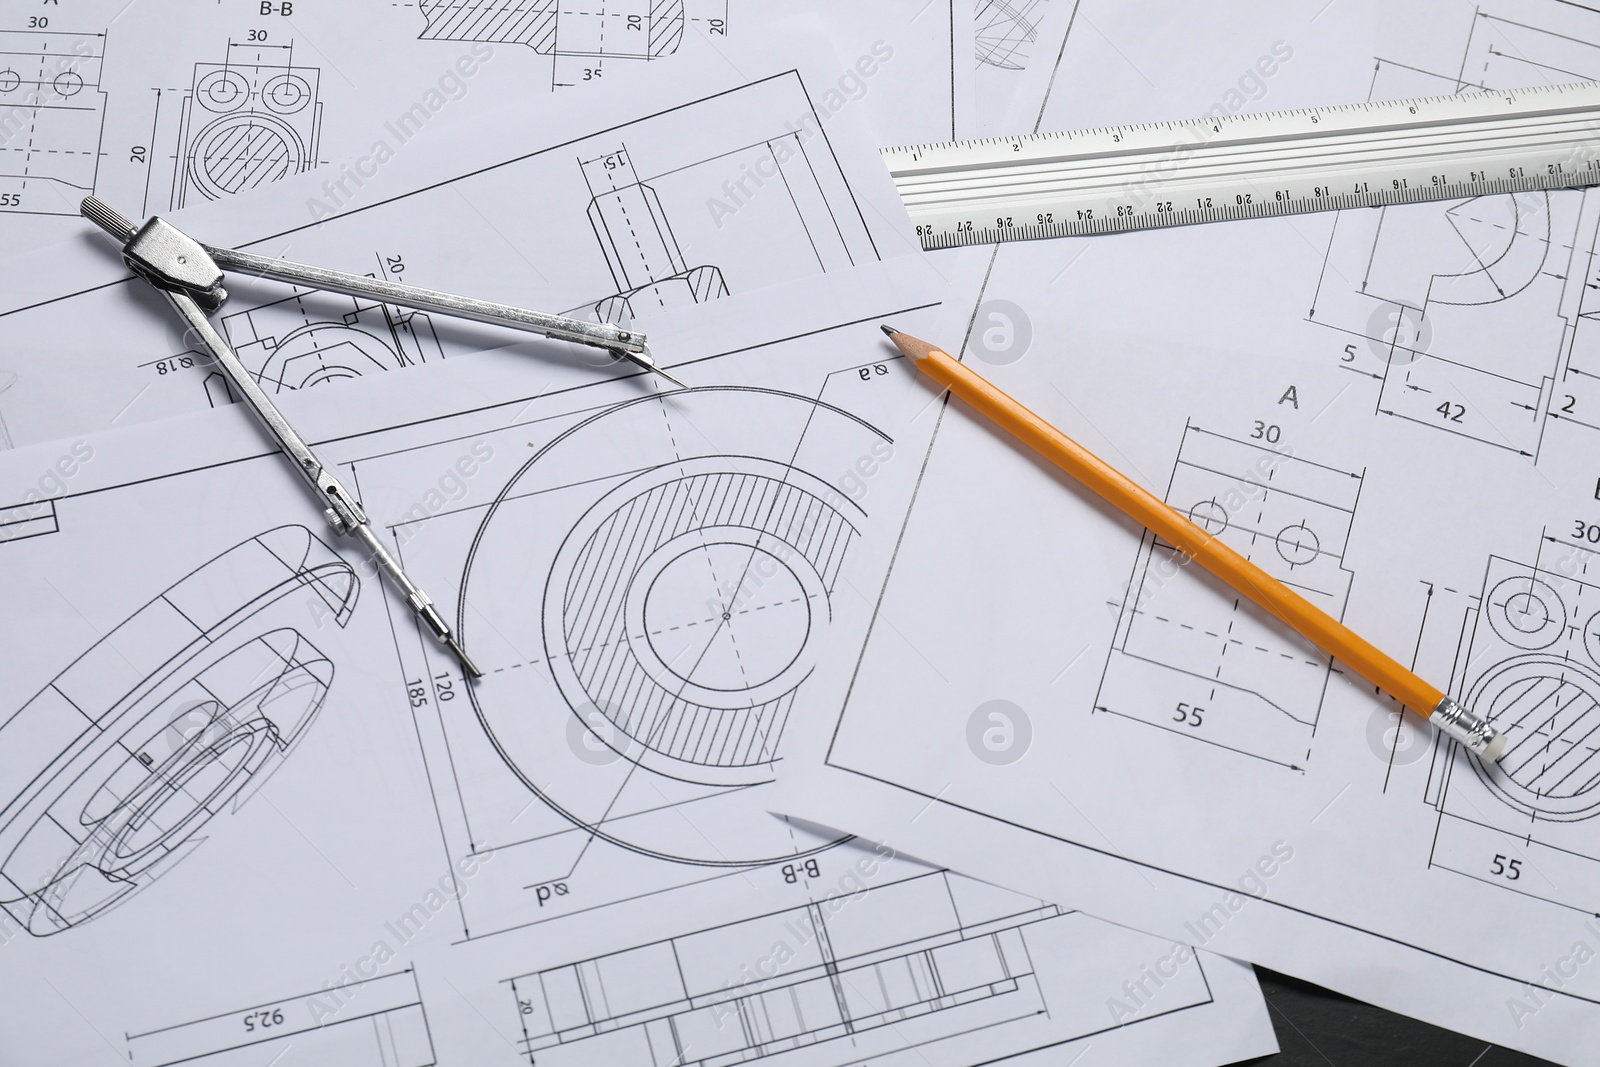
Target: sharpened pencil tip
point(889, 331)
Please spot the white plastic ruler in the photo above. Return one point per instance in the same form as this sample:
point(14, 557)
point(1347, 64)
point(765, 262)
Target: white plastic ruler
point(1248, 166)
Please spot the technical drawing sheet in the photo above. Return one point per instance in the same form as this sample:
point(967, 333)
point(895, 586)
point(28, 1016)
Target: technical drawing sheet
point(729, 186)
point(251, 816)
point(162, 104)
point(1395, 412)
point(1014, 40)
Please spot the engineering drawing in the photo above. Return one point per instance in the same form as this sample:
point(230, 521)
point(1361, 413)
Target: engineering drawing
point(637, 29)
point(640, 248)
point(177, 715)
point(250, 120)
point(52, 116)
point(1007, 31)
point(1529, 661)
point(380, 1022)
point(928, 959)
point(647, 586)
point(1214, 668)
point(681, 1001)
point(630, 218)
point(681, 614)
point(312, 339)
point(1477, 317)
point(579, 38)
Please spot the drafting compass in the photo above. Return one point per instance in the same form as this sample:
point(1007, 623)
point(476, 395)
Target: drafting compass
point(189, 275)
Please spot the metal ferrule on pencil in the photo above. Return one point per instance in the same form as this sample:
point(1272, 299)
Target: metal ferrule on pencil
point(1470, 729)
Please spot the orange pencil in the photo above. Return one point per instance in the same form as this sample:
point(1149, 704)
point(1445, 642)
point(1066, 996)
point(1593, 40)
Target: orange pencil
point(1294, 610)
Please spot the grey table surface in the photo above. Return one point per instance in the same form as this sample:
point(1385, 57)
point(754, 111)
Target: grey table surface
point(1317, 1028)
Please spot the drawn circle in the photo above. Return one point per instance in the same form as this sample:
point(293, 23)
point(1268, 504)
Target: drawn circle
point(1591, 638)
point(9, 80)
point(286, 93)
point(1526, 612)
point(1298, 544)
point(999, 733)
point(656, 581)
point(1002, 332)
point(1210, 516)
point(222, 91)
point(241, 152)
point(67, 83)
point(679, 620)
point(226, 699)
point(749, 643)
point(1397, 334)
point(1549, 711)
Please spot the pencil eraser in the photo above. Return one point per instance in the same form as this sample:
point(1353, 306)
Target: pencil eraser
point(1494, 749)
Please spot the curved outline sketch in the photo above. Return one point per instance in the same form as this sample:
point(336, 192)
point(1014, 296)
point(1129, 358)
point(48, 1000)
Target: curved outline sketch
point(246, 123)
point(300, 342)
point(1005, 30)
point(650, 532)
point(179, 713)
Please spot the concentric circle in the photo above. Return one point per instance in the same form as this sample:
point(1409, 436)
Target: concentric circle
point(707, 617)
point(691, 546)
point(1526, 612)
point(716, 643)
point(286, 93)
point(222, 91)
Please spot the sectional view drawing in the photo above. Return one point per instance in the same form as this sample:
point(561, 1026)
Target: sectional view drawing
point(242, 123)
point(578, 38)
point(933, 958)
point(678, 617)
point(121, 766)
point(1529, 660)
point(1212, 668)
point(1476, 317)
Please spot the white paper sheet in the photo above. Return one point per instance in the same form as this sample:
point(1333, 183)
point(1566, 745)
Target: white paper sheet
point(726, 187)
point(569, 862)
point(163, 104)
point(1392, 410)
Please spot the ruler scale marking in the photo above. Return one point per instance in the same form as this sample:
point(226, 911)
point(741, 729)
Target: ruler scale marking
point(1153, 175)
